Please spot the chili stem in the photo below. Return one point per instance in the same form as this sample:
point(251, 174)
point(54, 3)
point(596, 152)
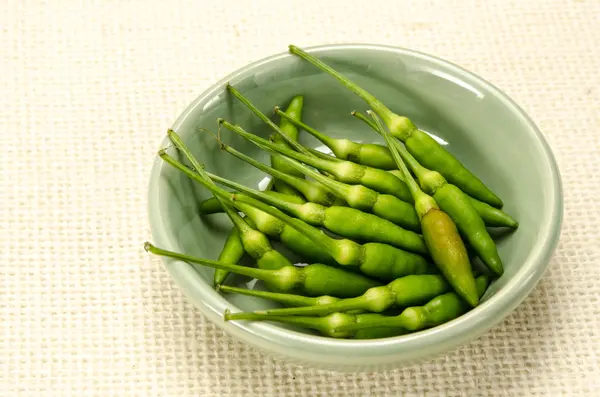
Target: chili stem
point(264, 118)
point(260, 274)
point(373, 102)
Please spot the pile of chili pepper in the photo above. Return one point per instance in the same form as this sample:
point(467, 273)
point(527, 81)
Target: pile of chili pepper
point(406, 223)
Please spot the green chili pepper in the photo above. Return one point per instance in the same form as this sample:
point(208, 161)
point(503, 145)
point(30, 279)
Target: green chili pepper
point(284, 298)
point(369, 154)
point(356, 196)
point(345, 171)
point(427, 151)
point(255, 243)
point(439, 231)
point(295, 111)
point(343, 221)
point(402, 292)
point(312, 280)
point(454, 202)
point(313, 191)
point(437, 311)
point(328, 324)
point(377, 260)
point(375, 332)
point(213, 205)
point(233, 251)
point(492, 217)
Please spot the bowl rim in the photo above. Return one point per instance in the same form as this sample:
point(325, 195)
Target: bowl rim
point(438, 339)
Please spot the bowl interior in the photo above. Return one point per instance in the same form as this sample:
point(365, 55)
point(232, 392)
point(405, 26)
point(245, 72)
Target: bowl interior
point(480, 127)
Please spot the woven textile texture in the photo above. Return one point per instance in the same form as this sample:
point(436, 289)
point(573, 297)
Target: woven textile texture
point(87, 91)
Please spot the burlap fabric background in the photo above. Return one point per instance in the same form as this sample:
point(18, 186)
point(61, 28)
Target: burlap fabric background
point(87, 91)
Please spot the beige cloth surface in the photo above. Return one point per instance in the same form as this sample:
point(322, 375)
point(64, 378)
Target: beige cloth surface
point(87, 91)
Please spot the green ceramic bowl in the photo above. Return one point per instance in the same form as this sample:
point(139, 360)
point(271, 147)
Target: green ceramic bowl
point(479, 124)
